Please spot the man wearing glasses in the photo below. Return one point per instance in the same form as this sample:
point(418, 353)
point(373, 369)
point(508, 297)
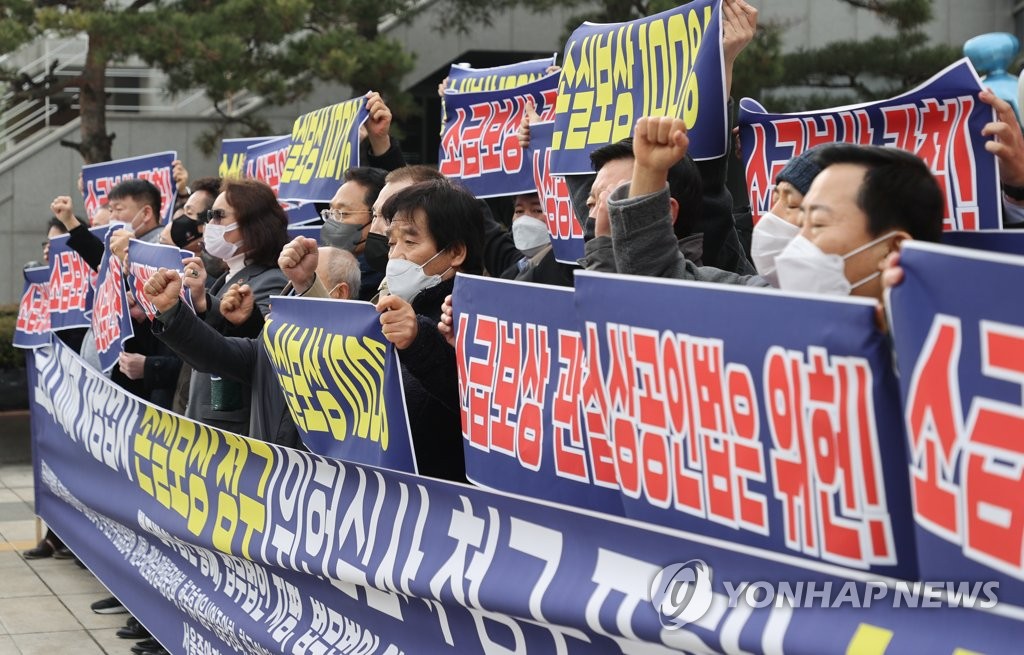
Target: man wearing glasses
point(347, 222)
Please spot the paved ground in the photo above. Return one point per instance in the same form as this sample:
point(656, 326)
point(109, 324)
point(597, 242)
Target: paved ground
point(44, 604)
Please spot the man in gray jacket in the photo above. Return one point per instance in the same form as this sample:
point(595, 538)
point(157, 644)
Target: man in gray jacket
point(862, 205)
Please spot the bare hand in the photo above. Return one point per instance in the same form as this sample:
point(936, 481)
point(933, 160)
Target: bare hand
point(298, 262)
point(180, 175)
point(236, 304)
point(135, 309)
point(195, 281)
point(163, 289)
point(378, 125)
point(892, 272)
point(602, 223)
point(529, 116)
point(132, 365)
point(442, 86)
point(446, 326)
point(1008, 144)
point(61, 208)
point(739, 25)
point(659, 142)
point(119, 243)
point(398, 321)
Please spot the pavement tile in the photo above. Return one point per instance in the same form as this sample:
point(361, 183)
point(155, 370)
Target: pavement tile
point(16, 475)
point(65, 577)
point(13, 508)
point(7, 646)
point(76, 642)
point(35, 614)
point(21, 582)
point(22, 530)
point(25, 494)
point(111, 643)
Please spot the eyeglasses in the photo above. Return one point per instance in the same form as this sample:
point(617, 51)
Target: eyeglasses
point(339, 215)
point(213, 215)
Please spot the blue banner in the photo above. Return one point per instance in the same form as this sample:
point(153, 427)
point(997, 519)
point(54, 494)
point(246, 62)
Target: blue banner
point(521, 372)
point(959, 348)
point(145, 259)
point(111, 321)
point(479, 142)
point(669, 64)
point(463, 78)
point(324, 144)
point(32, 329)
point(341, 380)
point(99, 179)
point(1010, 242)
point(233, 153)
point(939, 121)
point(71, 286)
point(223, 544)
point(566, 232)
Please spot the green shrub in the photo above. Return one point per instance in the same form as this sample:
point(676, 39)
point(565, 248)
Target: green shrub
point(10, 357)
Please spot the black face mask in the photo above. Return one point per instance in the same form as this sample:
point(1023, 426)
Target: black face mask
point(376, 252)
point(184, 231)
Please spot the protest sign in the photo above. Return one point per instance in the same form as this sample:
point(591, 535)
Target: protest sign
point(99, 179)
point(959, 348)
point(940, 121)
point(479, 141)
point(111, 322)
point(463, 78)
point(32, 328)
point(71, 286)
point(342, 383)
point(566, 232)
point(232, 155)
point(1010, 242)
point(324, 144)
point(145, 259)
point(668, 64)
point(265, 161)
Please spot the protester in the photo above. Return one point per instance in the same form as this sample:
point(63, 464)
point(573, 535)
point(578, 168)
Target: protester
point(775, 229)
point(347, 222)
point(865, 201)
point(243, 360)
point(434, 231)
point(247, 229)
point(137, 203)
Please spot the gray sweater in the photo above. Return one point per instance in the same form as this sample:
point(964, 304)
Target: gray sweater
point(643, 242)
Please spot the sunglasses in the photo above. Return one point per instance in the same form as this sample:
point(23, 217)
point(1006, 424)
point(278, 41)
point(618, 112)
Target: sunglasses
point(213, 215)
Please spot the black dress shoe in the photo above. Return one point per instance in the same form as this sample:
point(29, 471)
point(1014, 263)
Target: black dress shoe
point(42, 550)
point(63, 552)
point(148, 647)
point(133, 630)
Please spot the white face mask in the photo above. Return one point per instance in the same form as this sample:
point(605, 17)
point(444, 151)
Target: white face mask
point(802, 266)
point(771, 236)
point(406, 279)
point(529, 233)
point(213, 235)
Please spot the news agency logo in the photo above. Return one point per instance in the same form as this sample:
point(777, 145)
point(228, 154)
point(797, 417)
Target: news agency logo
point(682, 593)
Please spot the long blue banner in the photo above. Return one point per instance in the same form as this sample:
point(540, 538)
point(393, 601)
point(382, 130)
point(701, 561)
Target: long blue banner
point(960, 350)
point(566, 232)
point(669, 64)
point(939, 121)
point(220, 543)
point(99, 179)
point(341, 380)
point(324, 144)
